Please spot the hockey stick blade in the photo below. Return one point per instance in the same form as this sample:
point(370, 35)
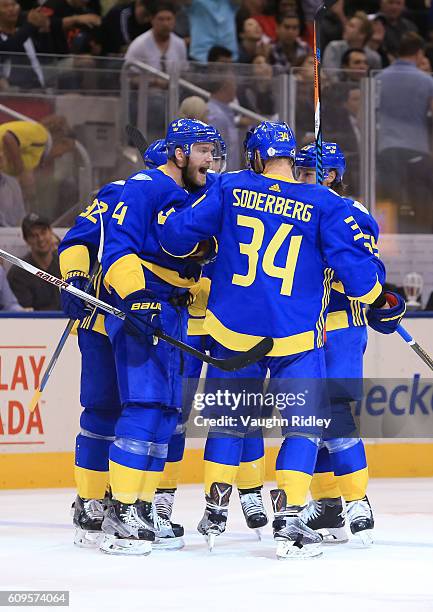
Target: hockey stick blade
point(137, 139)
point(231, 364)
point(234, 363)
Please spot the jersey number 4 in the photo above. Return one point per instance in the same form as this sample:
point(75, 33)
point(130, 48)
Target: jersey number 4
point(251, 250)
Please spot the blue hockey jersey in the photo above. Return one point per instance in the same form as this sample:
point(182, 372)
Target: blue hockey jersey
point(79, 248)
point(279, 244)
point(133, 258)
point(342, 312)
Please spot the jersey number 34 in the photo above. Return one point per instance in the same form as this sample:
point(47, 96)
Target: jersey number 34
point(251, 250)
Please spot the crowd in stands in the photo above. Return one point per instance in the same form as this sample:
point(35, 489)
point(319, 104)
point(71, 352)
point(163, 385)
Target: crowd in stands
point(389, 40)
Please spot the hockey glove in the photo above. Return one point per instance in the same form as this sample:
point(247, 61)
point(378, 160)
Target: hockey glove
point(386, 320)
point(142, 311)
point(206, 252)
point(73, 306)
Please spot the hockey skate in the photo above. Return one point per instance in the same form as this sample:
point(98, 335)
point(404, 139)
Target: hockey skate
point(253, 509)
point(214, 518)
point(361, 521)
point(294, 539)
point(327, 517)
point(168, 535)
point(88, 515)
point(127, 530)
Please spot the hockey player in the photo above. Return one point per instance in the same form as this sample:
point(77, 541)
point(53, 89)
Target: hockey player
point(250, 476)
point(155, 154)
point(341, 468)
point(151, 287)
point(279, 242)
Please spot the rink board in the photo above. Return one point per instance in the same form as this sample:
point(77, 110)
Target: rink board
point(37, 449)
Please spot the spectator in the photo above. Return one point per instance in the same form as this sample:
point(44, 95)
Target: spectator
point(223, 91)
point(219, 55)
point(194, 107)
point(354, 65)
point(212, 23)
point(8, 301)
point(289, 49)
point(395, 24)
point(377, 40)
point(357, 31)
point(251, 41)
point(257, 94)
point(404, 151)
point(31, 292)
point(27, 145)
point(305, 101)
point(333, 24)
point(66, 18)
point(19, 34)
point(12, 209)
point(160, 47)
point(263, 12)
point(122, 24)
point(344, 127)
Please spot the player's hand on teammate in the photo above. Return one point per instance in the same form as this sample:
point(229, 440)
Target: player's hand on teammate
point(387, 318)
point(142, 311)
point(73, 306)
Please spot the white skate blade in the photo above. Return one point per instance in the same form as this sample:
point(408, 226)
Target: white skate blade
point(364, 538)
point(168, 543)
point(287, 550)
point(333, 535)
point(87, 539)
point(122, 546)
point(258, 534)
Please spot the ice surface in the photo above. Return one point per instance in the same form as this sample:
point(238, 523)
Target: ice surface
point(36, 552)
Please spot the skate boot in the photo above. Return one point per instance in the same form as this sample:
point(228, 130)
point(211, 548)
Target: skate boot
point(294, 539)
point(127, 530)
point(214, 518)
point(361, 521)
point(168, 535)
point(253, 509)
point(326, 516)
point(88, 515)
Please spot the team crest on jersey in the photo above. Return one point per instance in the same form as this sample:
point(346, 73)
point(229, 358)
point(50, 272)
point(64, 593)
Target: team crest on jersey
point(275, 187)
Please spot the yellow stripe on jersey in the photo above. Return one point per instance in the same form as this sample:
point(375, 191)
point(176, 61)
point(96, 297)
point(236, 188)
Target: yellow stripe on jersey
point(74, 258)
point(235, 341)
point(280, 177)
point(196, 327)
point(169, 276)
point(369, 297)
point(125, 275)
point(327, 278)
point(338, 319)
point(338, 286)
point(201, 297)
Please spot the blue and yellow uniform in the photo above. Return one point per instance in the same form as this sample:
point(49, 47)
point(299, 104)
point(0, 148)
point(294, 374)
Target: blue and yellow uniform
point(99, 395)
point(150, 377)
point(346, 341)
point(279, 244)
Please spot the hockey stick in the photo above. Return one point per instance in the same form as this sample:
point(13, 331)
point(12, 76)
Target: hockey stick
point(230, 364)
point(140, 143)
point(415, 346)
point(54, 357)
point(318, 17)
point(137, 139)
